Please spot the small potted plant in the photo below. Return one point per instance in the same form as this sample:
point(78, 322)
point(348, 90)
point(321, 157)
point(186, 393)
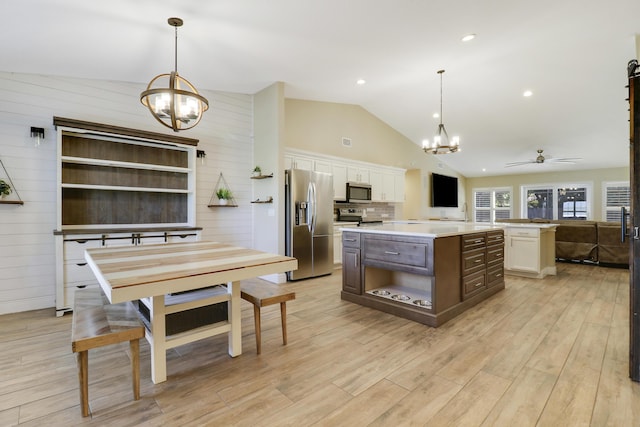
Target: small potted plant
point(257, 171)
point(224, 195)
point(5, 189)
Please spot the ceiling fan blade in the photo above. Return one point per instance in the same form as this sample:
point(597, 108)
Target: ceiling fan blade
point(508, 165)
point(564, 160)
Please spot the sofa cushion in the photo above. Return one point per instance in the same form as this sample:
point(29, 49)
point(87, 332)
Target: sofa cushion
point(611, 249)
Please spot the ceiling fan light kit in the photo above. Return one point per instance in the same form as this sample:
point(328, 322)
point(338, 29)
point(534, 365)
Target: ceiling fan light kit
point(171, 99)
point(441, 143)
point(540, 159)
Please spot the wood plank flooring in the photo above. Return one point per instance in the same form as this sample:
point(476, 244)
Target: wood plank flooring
point(550, 352)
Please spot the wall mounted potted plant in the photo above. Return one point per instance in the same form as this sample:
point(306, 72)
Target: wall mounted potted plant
point(224, 195)
point(5, 189)
point(257, 171)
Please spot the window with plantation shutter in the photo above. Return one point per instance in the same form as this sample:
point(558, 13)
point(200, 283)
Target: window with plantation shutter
point(491, 204)
point(616, 195)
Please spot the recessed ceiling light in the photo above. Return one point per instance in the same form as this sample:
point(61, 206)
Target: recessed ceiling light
point(361, 81)
point(436, 115)
point(527, 93)
point(468, 37)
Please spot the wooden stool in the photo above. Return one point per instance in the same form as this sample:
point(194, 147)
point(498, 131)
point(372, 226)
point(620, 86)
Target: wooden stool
point(97, 323)
point(261, 295)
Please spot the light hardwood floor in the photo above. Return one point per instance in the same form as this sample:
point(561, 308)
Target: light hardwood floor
point(551, 352)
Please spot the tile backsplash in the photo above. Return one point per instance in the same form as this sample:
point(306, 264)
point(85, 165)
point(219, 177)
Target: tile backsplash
point(374, 211)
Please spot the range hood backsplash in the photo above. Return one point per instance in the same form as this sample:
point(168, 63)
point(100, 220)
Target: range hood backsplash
point(381, 211)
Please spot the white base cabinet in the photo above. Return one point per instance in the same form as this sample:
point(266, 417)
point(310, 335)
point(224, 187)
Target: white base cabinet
point(530, 250)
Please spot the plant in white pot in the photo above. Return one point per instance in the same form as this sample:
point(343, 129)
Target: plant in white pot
point(5, 188)
point(257, 171)
point(224, 195)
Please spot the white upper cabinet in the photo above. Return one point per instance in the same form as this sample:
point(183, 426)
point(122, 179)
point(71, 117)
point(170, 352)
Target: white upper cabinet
point(356, 173)
point(339, 171)
point(298, 162)
point(387, 183)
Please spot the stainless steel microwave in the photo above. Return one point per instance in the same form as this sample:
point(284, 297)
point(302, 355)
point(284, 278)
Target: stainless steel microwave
point(358, 192)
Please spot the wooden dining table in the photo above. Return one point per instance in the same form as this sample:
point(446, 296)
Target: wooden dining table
point(150, 272)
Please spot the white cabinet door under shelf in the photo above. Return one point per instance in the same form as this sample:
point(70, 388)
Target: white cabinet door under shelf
point(523, 253)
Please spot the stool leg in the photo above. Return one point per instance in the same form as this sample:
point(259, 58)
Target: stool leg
point(83, 377)
point(256, 321)
point(283, 319)
point(134, 345)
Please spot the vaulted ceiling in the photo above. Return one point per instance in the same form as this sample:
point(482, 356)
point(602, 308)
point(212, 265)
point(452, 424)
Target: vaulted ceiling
point(571, 54)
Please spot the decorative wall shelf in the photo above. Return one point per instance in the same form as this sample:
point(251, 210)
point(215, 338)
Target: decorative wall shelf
point(269, 200)
point(262, 176)
point(214, 202)
point(9, 200)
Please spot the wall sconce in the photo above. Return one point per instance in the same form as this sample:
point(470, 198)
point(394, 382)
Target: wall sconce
point(201, 155)
point(37, 134)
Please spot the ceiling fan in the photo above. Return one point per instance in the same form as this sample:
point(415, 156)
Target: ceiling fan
point(540, 159)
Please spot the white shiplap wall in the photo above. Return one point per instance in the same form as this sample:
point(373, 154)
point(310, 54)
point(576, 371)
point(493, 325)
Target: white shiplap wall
point(27, 257)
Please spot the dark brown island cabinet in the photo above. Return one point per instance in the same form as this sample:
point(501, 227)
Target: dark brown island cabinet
point(422, 272)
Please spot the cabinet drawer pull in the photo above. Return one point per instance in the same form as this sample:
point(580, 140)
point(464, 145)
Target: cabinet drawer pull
point(498, 255)
point(477, 241)
point(477, 285)
point(349, 240)
point(391, 253)
point(81, 264)
point(477, 261)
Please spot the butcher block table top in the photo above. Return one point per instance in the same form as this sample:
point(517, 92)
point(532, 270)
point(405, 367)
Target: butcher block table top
point(149, 272)
point(129, 273)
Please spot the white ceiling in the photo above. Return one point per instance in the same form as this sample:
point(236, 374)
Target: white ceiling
point(571, 53)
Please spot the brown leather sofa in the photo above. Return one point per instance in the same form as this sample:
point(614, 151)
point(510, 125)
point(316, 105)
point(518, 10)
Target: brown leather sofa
point(591, 241)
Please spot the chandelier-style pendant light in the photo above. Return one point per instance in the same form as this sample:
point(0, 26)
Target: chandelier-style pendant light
point(441, 143)
point(172, 100)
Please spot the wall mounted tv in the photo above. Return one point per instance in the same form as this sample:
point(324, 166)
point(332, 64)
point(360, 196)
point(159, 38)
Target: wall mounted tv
point(444, 191)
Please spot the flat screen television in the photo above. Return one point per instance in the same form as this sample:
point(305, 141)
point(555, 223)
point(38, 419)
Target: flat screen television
point(444, 191)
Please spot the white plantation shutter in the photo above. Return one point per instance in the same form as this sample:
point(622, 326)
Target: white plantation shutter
point(491, 204)
point(616, 196)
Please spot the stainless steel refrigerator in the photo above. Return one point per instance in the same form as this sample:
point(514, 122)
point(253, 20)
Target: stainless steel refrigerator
point(309, 222)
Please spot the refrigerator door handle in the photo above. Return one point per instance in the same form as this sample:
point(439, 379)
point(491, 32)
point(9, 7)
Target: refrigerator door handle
point(314, 213)
point(310, 207)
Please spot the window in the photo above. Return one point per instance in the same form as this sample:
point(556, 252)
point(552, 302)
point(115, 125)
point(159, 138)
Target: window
point(563, 201)
point(615, 196)
point(491, 204)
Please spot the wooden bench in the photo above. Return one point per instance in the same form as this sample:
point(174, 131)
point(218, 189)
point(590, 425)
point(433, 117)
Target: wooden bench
point(97, 323)
point(262, 295)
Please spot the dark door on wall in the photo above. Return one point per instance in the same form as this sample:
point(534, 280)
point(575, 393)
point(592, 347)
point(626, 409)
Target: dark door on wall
point(634, 265)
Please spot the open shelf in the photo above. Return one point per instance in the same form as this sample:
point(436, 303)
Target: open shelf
point(269, 200)
point(262, 176)
point(231, 202)
point(9, 199)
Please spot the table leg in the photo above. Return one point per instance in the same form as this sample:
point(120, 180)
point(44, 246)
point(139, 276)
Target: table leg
point(235, 334)
point(157, 340)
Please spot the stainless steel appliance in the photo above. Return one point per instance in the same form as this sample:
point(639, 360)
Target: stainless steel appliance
point(309, 222)
point(358, 192)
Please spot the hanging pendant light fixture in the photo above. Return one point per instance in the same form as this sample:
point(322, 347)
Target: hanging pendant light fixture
point(176, 104)
point(441, 143)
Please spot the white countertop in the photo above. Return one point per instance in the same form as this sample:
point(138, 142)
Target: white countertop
point(526, 225)
point(425, 228)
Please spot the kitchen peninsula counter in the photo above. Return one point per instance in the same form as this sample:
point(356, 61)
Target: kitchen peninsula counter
point(428, 272)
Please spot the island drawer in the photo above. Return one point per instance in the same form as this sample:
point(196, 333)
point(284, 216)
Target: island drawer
point(350, 239)
point(495, 255)
point(474, 283)
point(473, 241)
point(495, 238)
point(524, 232)
point(397, 252)
point(474, 261)
point(495, 275)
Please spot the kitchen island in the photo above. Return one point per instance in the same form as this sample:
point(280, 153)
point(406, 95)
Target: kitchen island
point(428, 272)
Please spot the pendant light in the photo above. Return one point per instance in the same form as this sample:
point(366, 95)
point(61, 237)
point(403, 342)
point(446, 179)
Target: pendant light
point(171, 99)
point(441, 143)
